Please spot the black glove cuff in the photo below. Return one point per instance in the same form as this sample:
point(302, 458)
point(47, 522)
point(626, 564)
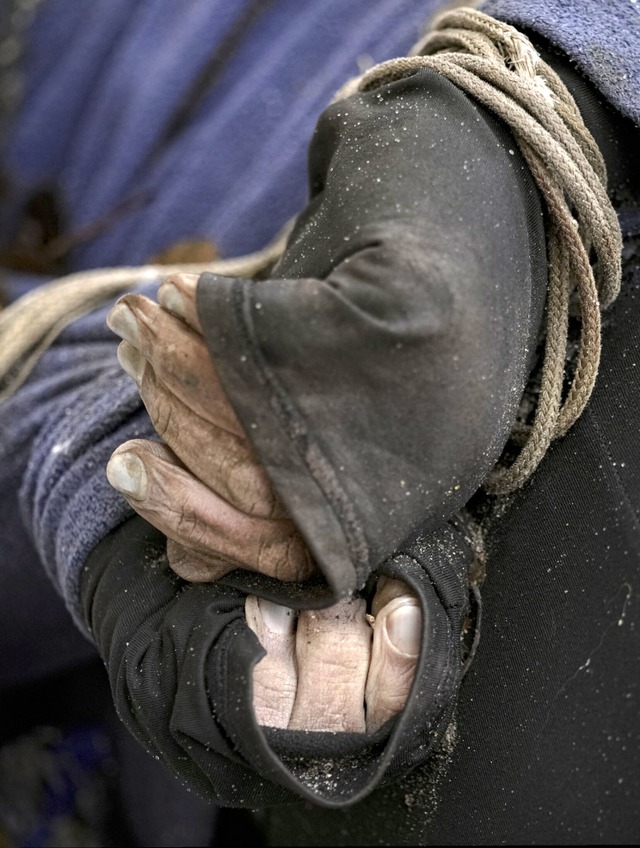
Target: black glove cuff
point(180, 660)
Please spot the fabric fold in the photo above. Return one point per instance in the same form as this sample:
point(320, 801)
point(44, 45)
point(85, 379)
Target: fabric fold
point(395, 284)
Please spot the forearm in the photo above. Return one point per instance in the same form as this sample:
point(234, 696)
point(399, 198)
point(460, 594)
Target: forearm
point(59, 430)
point(379, 378)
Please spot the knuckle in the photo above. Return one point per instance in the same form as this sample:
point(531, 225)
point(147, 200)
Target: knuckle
point(163, 417)
point(247, 485)
point(160, 408)
point(189, 526)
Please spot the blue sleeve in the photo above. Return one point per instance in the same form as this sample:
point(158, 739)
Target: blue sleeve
point(58, 431)
point(602, 38)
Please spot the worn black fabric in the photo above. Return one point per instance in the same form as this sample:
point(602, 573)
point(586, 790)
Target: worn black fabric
point(545, 749)
point(180, 656)
point(417, 271)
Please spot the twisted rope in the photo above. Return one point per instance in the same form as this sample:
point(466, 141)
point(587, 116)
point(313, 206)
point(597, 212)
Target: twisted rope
point(30, 325)
point(498, 66)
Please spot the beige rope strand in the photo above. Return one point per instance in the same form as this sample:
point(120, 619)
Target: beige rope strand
point(546, 413)
point(32, 323)
point(498, 66)
point(566, 107)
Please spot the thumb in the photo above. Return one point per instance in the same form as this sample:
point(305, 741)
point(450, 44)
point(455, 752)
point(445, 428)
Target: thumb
point(396, 644)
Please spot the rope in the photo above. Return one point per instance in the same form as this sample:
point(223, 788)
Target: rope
point(30, 325)
point(498, 66)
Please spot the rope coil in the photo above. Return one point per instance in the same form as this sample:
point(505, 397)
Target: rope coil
point(498, 66)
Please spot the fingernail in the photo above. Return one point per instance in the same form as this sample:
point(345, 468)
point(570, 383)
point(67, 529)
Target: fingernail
point(404, 628)
point(127, 474)
point(172, 299)
point(123, 323)
point(132, 361)
point(277, 618)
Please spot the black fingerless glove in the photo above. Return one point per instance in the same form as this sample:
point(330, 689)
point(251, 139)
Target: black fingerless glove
point(425, 329)
point(379, 370)
point(180, 657)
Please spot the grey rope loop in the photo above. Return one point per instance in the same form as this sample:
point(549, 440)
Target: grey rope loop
point(498, 66)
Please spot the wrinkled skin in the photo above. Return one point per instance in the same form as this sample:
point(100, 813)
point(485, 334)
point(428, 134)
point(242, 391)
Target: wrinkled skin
point(204, 488)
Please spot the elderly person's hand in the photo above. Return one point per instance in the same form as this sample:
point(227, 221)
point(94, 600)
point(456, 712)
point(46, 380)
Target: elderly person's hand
point(204, 488)
point(324, 672)
point(206, 491)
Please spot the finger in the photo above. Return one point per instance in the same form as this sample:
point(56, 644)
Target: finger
point(387, 589)
point(275, 676)
point(221, 460)
point(197, 567)
point(178, 355)
point(333, 648)
point(178, 294)
point(394, 656)
point(181, 507)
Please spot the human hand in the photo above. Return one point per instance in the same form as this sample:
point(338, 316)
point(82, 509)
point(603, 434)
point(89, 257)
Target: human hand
point(204, 487)
point(203, 721)
point(325, 672)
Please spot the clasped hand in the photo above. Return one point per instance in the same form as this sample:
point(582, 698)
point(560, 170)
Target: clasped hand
point(204, 488)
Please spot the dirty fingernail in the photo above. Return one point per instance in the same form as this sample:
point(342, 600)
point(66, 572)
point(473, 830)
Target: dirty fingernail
point(127, 474)
point(132, 361)
point(277, 618)
point(172, 299)
point(123, 323)
point(404, 628)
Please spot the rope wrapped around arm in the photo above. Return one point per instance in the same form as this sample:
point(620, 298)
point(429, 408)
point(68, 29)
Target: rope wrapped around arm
point(497, 65)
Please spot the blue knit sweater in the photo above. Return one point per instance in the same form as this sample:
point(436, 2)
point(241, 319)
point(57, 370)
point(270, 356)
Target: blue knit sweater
point(101, 89)
point(602, 38)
